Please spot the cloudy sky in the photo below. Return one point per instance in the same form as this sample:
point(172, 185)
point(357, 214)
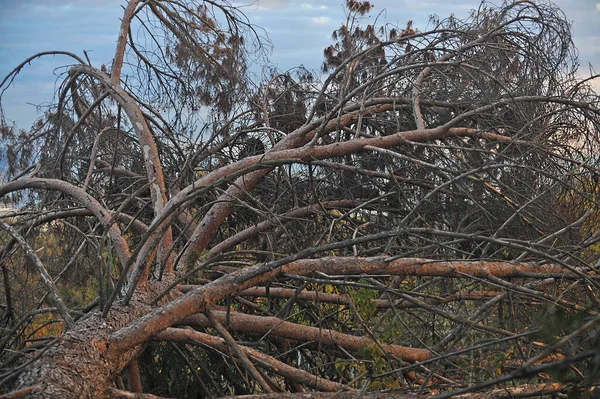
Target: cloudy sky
point(298, 30)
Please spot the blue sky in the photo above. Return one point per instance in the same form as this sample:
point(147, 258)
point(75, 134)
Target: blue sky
point(298, 30)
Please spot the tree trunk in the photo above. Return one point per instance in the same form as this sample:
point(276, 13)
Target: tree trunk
point(82, 363)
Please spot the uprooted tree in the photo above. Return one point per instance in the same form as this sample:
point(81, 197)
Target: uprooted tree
point(422, 220)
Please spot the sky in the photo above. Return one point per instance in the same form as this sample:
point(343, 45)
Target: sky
point(299, 30)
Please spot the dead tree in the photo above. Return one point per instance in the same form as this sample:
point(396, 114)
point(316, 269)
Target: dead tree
point(422, 221)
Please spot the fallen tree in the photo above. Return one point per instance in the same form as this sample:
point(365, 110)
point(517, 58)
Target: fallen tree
point(422, 221)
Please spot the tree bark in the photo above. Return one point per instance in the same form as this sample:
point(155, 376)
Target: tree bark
point(86, 359)
point(82, 363)
point(262, 325)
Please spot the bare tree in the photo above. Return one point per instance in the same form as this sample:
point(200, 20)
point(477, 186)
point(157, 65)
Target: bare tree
point(422, 221)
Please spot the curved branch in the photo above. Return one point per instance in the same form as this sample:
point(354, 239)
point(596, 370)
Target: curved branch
point(416, 92)
point(103, 215)
point(12, 74)
point(158, 191)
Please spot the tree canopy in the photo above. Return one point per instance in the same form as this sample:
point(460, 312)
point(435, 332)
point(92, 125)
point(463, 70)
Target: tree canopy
point(420, 217)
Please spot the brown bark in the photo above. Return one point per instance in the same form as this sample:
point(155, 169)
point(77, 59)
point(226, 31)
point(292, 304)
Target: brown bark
point(120, 394)
point(21, 393)
point(204, 297)
point(261, 325)
point(88, 357)
point(117, 63)
point(133, 376)
point(82, 363)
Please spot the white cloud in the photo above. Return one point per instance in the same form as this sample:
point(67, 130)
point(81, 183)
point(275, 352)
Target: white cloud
point(306, 6)
point(320, 20)
point(598, 6)
point(270, 3)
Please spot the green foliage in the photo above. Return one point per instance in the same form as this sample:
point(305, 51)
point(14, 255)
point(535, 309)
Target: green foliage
point(556, 322)
point(363, 299)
